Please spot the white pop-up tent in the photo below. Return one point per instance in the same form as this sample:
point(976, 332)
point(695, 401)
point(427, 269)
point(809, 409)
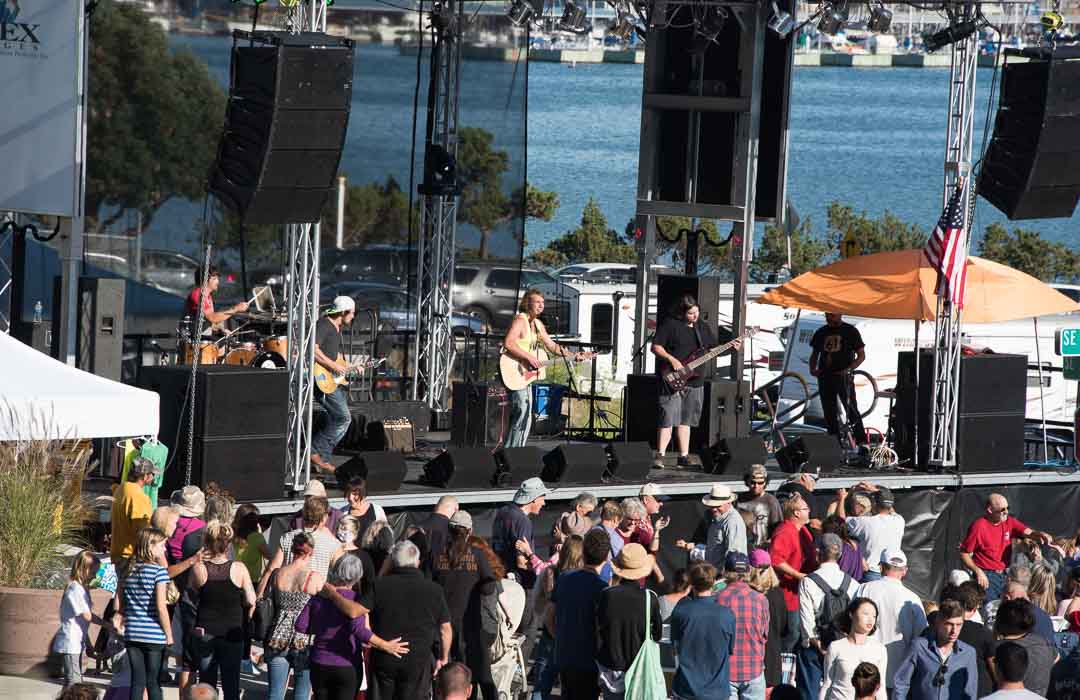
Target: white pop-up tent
point(49, 399)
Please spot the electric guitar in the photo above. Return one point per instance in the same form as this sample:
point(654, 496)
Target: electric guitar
point(676, 379)
point(328, 381)
point(517, 375)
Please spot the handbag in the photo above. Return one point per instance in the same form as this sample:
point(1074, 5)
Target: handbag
point(262, 618)
point(644, 679)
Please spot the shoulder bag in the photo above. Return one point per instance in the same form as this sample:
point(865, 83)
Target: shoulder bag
point(262, 618)
point(644, 679)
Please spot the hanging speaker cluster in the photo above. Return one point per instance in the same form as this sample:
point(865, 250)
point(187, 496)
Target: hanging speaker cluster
point(285, 124)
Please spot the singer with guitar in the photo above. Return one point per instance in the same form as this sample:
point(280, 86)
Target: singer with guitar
point(680, 409)
point(328, 354)
point(523, 342)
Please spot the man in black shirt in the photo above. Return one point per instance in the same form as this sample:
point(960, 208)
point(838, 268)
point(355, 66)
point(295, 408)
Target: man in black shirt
point(837, 350)
point(678, 337)
point(327, 354)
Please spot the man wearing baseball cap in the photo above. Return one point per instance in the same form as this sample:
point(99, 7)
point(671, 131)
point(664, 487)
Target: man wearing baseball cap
point(901, 617)
point(751, 611)
point(762, 505)
point(727, 530)
point(328, 354)
point(877, 531)
point(512, 524)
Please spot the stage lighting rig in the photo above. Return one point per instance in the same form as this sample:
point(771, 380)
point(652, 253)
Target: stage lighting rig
point(781, 21)
point(880, 19)
point(440, 172)
point(833, 17)
point(573, 19)
point(949, 35)
point(521, 12)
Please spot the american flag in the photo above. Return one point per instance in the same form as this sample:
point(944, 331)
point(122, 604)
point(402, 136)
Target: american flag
point(946, 250)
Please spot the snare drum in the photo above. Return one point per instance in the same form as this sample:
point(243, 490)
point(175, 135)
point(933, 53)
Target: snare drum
point(277, 344)
point(209, 353)
point(241, 354)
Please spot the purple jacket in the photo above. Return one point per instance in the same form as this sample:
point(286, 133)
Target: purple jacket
point(336, 639)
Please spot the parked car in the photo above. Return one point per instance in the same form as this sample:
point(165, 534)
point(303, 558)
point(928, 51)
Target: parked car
point(387, 264)
point(489, 291)
point(396, 308)
point(167, 271)
point(607, 273)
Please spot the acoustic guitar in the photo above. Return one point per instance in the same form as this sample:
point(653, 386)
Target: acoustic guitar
point(676, 380)
point(516, 375)
point(328, 381)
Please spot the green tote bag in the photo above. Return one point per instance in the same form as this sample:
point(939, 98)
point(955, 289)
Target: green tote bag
point(645, 678)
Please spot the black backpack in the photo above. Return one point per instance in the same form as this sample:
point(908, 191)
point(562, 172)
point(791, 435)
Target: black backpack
point(832, 607)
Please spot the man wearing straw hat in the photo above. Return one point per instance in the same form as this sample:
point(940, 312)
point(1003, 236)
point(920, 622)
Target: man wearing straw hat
point(620, 619)
point(727, 529)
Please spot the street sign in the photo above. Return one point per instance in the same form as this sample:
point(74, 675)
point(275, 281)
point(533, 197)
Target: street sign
point(850, 247)
point(1071, 367)
point(1067, 342)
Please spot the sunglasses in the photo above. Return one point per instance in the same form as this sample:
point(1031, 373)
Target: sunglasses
point(758, 483)
point(939, 677)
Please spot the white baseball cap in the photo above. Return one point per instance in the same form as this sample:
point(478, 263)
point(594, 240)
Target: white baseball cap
point(894, 557)
point(652, 490)
point(342, 305)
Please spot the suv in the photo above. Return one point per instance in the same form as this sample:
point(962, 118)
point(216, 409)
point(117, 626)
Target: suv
point(384, 264)
point(490, 292)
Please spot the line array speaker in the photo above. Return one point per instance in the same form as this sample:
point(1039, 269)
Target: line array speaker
point(285, 124)
point(462, 468)
point(384, 471)
point(576, 464)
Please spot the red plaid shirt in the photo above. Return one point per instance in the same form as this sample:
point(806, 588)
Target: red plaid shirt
point(751, 611)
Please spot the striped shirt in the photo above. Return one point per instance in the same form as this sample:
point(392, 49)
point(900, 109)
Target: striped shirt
point(325, 546)
point(140, 604)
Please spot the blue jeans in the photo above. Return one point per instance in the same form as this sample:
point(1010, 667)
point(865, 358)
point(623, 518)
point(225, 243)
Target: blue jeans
point(808, 672)
point(749, 690)
point(337, 423)
point(543, 667)
point(869, 575)
point(278, 666)
point(996, 581)
point(520, 417)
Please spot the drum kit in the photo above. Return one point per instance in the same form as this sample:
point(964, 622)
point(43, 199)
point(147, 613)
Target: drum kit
point(248, 348)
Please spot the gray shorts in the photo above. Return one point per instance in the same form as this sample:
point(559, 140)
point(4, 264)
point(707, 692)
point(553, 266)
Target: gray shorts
point(682, 408)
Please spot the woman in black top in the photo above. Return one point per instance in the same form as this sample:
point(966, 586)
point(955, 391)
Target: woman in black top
point(225, 591)
point(465, 575)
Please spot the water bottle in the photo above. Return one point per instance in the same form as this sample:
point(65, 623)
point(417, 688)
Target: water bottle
point(37, 311)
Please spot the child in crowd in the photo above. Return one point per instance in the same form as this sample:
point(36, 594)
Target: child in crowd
point(76, 614)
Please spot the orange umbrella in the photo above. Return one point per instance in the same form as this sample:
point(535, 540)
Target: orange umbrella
point(901, 284)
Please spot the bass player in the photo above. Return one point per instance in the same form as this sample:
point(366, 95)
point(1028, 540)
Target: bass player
point(327, 352)
point(526, 335)
point(678, 337)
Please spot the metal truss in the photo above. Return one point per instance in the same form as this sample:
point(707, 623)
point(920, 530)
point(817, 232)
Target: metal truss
point(948, 327)
point(435, 350)
point(7, 279)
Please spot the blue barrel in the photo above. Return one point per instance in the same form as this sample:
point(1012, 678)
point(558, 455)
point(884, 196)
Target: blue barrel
point(547, 400)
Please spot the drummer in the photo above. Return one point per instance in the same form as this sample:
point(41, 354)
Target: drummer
point(206, 293)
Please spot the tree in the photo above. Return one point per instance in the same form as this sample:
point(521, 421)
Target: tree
point(591, 241)
point(807, 252)
point(671, 240)
point(874, 235)
point(374, 213)
point(1027, 251)
point(483, 203)
point(154, 118)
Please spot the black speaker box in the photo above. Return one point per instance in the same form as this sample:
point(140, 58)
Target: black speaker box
point(250, 468)
point(384, 471)
point(462, 468)
point(821, 451)
point(99, 343)
point(1032, 166)
point(368, 412)
point(735, 454)
point(285, 124)
point(725, 413)
point(631, 461)
point(516, 464)
point(481, 414)
point(576, 464)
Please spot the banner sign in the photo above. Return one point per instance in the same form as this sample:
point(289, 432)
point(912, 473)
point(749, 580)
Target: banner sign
point(39, 68)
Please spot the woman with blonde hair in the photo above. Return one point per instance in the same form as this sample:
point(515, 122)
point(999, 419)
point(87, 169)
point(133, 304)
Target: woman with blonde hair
point(763, 580)
point(165, 518)
point(224, 592)
point(147, 631)
point(1042, 591)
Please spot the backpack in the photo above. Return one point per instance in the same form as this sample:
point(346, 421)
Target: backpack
point(832, 607)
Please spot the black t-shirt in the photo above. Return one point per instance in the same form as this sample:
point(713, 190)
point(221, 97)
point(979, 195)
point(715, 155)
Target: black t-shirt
point(982, 640)
point(328, 338)
point(680, 340)
point(409, 606)
point(836, 347)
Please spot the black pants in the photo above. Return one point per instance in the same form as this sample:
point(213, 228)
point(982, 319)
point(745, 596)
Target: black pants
point(836, 388)
point(220, 656)
point(333, 682)
point(579, 685)
point(145, 662)
point(398, 681)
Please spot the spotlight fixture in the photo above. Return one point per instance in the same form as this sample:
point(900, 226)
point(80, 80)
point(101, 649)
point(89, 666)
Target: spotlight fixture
point(880, 19)
point(949, 35)
point(1052, 21)
point(833, 18)
point(521, 12)
point(573, 18)
point(440, 171)
point(781, 21)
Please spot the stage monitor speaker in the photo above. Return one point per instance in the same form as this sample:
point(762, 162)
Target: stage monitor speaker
point(480, 416)
point(285, 124)
point(576, 464)
point(462, 468)
point(817, 450)
point(516, 464)
point(1032, 167)
point(99, 344)
point(631, 461)
point(383, 471)
point(735, 454)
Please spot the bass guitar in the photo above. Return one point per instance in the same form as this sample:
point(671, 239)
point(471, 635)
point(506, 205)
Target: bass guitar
point(517, 375)
point(328, 381)
point(676, 379)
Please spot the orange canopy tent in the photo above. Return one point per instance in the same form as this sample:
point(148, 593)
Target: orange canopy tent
point(901, 285)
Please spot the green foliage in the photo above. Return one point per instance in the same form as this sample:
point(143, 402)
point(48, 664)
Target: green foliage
point(374, 213)
point(807, 252)
point(874, 235)
point(1028, 252)
point(154, 117)
point(591, 241)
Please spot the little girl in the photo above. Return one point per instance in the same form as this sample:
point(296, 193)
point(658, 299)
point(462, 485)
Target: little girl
point(76, 614)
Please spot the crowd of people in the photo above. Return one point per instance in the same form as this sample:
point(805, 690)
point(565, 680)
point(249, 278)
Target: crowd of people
point(789, 595)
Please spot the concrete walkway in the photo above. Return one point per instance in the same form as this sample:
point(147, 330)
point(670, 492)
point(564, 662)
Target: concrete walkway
point(12, 687)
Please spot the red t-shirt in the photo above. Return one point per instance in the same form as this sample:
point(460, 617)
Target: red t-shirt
point(191, 304)
point(989, 543)
point(793, 546)
point(642, 534)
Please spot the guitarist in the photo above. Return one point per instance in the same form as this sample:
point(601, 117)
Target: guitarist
point(526, 335)
point(678, 337)
point(327, 351)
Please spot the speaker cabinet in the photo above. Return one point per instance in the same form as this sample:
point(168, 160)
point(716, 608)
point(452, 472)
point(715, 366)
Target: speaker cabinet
point(821, 451)
point(462, 468)
point(100, 342)
point(481, 414)
point(383, 471)
point(725, 413)
point(285, 124)
point(576, 464)
point(1032, 166)
point(735, 454)
point(516, 464)
point(631, 461)
point(669, 292)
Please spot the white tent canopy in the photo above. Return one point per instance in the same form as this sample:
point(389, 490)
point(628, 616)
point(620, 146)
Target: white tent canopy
point(49, 399)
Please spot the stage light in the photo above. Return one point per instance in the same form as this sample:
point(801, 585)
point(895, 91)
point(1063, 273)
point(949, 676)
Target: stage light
point(440, 171)
point(521, 12)
point(880, 19)
point(573, 18)
point(781, 21)
point(833, 18)
point(949, 35)
point(1052, 21)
